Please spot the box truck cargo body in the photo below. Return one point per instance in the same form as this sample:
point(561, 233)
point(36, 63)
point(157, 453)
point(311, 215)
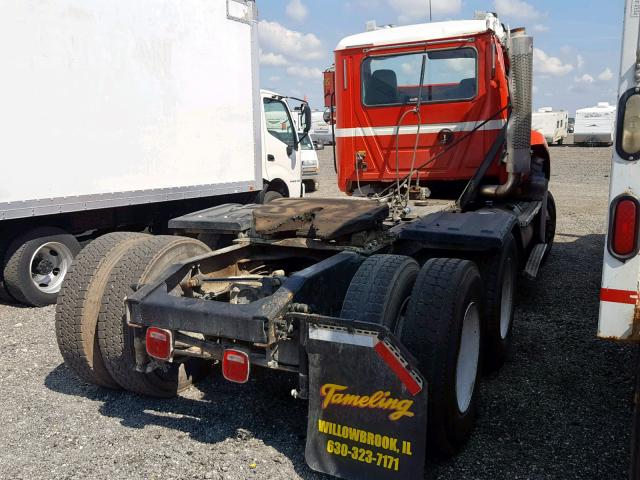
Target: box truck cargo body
point(117, 115)
point(595, 125)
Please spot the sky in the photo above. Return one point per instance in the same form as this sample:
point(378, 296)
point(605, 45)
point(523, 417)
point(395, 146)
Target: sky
point(576, 42)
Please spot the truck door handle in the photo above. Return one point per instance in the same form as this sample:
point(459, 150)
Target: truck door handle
point(271, 158)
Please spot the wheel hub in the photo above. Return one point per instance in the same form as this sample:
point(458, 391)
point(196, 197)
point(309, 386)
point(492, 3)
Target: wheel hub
point(49, 265)
point(44, 267)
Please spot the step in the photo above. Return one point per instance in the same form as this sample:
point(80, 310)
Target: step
point(535, 260)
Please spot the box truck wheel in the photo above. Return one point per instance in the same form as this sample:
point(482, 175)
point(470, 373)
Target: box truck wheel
point(79, 303)
point(142, 263)
point(443, 331)
point(270, 196)
point(36, 264)
point(499, 274)
point(379, 291)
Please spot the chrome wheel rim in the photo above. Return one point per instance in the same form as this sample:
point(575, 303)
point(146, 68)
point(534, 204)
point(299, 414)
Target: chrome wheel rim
point(468, 357)
point(48, 266)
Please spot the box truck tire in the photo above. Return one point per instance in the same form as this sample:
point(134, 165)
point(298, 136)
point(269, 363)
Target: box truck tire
point(271, 195)
point(140, 264)
point(379, 291)
point(79, 303)
point(443, 331)
point(499, 275)
point(36, 263)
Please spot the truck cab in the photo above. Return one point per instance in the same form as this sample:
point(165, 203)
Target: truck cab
point(281, 162)
point(404, 95)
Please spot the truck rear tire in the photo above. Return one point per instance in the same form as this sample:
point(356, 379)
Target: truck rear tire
point(36, 264)
point(499, 274)
point(443, 331)
point(79, 303)
point(550, 227)
point(379, 291)
point(142, 263)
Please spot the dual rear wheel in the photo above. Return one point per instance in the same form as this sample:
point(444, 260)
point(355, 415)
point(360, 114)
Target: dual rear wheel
point(451, 318)
point(93, 337)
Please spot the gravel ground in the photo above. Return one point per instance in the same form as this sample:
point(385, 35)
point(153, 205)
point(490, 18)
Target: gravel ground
point(559, 409)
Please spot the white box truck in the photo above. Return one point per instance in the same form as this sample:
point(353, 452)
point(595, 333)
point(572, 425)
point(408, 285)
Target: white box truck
point(553, 125)
point(121, 115)
point(595, 125)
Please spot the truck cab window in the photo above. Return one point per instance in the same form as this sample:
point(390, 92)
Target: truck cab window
point(450, 75)
point(278, 121)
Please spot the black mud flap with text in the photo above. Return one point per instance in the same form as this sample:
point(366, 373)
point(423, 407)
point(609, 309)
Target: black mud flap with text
point(367, 404)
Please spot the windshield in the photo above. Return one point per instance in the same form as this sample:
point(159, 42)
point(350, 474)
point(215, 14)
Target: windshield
point(306, 142)
point(450, 75)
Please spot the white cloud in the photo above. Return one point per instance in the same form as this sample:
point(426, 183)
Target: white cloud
point(535, 89)
point(584, 78)
point(273, 59)
point(538, 27)
point(566, 49)
point(545, 64)
point(305, 72)
point(274, 78)
point(276, 38)
point(580, 61)
point(296, 10)
point(418, 10)
point(606, 75)
point(517, 9)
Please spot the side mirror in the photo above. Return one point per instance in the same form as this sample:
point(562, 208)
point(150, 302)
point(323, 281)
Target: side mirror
point(306, 115)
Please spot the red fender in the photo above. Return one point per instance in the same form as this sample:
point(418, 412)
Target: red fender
point(540, 148)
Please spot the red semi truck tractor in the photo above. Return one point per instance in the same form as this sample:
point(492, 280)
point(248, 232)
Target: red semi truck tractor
point(387, 308)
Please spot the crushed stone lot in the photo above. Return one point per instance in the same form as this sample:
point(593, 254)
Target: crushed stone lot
point(559, 409)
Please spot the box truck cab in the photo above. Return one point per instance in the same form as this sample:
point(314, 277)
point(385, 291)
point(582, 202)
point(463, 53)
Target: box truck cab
point(281, 162)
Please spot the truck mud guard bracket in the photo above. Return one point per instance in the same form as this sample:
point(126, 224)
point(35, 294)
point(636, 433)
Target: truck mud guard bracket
point(367, 402)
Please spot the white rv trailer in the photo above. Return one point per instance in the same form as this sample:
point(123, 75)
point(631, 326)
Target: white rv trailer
point(119, 115)
point(553, 125)
point(595, 125)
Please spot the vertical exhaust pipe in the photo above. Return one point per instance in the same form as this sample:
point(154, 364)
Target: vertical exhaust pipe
point(519, 128)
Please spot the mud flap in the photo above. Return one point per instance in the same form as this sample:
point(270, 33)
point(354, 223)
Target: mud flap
point(367, 404)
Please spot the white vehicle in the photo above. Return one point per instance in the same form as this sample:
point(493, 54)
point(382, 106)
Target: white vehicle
point(320, 129)
point(595, 125)
point(310, 163)
point(553, 125)
point(114, 118)
point(620, 293)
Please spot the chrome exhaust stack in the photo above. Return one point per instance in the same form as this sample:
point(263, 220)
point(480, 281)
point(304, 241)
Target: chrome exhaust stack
point(519, 129)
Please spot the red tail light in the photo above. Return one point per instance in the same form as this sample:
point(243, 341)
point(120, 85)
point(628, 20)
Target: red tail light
point(235, 366)
point(623, 241)
point(159, 343)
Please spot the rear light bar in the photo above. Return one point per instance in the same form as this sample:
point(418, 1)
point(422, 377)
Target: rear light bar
point(235, 365)
point(624, 221)
point(159, 343)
